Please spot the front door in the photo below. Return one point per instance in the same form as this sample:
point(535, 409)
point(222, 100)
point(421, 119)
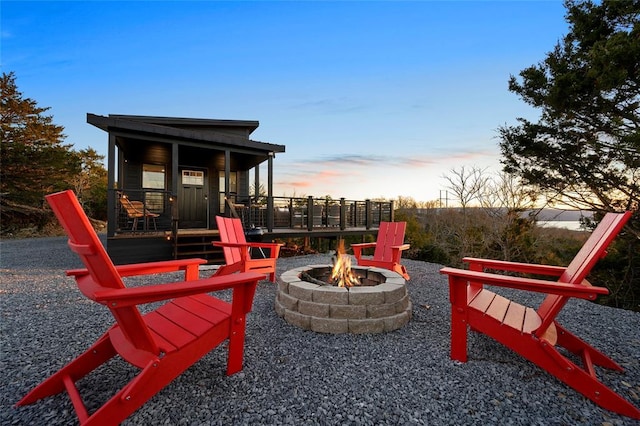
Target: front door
point(193, 199)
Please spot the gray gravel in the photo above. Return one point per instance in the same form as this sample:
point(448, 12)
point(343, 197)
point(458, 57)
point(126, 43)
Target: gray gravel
point(296, 377)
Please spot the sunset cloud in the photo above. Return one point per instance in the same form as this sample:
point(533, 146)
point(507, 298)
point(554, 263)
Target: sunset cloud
point(359, 176)
point(366, 161)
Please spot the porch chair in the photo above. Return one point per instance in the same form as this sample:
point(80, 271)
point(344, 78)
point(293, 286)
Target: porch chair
point(388, 248)
point(536, 334)
point(333, 215)
point(135, 210)
point(162, 343)
point(237, 251)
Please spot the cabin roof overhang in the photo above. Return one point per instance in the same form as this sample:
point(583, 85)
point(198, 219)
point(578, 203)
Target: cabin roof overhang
point(202, 133)
point(194, 123)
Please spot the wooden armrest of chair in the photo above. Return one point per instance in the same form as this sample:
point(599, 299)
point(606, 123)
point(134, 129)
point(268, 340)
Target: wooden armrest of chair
point(247, 244)
point(525, 268)
point(265, 245)
point(154, 293)
point(274, 248)
point(364, 245)
point(230, 244)
point(358, 248)
point(190, 266)
point(402, 247)
point(462, 277)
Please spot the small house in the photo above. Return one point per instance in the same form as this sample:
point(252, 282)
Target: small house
point(168, 174)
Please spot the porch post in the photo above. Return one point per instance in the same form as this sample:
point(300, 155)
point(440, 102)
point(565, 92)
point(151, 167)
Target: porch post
point(112, 216)
point(270, 192)
point(175, 181)
point(227, 177)
point(309, 213)
point(367, 214)
point(256, 181)
point(175, 173)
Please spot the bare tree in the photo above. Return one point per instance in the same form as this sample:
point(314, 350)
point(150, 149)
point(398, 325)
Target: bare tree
point(467, 184)
point(506, 191)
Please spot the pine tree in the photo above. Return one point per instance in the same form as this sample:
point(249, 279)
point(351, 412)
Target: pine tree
point(34, 160)
point(584, 150)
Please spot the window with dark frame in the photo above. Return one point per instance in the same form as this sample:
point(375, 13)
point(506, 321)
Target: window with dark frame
point(154, 177)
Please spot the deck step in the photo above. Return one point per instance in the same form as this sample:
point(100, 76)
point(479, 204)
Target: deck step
point(193, 245)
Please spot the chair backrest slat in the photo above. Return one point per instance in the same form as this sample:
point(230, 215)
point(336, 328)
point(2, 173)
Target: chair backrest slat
point(231, 232)
point(103, 275)
point(593, 250)
point(390, 234)
point(133, 210)
point(595, 247)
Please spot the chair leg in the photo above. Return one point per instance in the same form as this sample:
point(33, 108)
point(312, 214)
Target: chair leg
point(148, 382)
point(99, 353)
point(458, 334)
point(546, 357)
point(401, 270)
point(235, 353)
point(242, 302)
point(579, 347)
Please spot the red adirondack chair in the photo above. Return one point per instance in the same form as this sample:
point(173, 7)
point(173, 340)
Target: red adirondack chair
point(162, 343)
point(388, 248)
point(535, 334)
point(237, 254)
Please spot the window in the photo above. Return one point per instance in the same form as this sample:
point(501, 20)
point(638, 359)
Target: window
point(233, 187)
point(153, 177)
point(192, 177)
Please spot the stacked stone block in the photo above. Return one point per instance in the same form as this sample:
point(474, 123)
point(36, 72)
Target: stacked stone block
point(330, 309)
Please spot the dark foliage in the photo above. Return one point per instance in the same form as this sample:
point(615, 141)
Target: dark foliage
point(585, 148)
point(35, 162)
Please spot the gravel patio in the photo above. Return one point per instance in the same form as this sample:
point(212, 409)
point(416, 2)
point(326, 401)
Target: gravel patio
point(297, 377)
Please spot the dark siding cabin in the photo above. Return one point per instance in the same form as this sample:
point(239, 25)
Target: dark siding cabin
point(169, 178)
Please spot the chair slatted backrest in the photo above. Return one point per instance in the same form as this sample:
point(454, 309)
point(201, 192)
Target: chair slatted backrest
point(595, 247)
point(390, 234)
point(103, 275)
point(133, 208)
point(231, 232)
point(593, 250)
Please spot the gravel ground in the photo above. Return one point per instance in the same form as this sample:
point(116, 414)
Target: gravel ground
point(296, 377)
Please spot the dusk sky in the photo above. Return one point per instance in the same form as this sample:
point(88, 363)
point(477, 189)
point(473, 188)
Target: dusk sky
point(371, 99)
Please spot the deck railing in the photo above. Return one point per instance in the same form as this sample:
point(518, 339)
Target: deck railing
point(312, 213)
point(304, 213)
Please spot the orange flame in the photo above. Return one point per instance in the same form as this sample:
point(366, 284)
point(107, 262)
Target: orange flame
point(342, 273)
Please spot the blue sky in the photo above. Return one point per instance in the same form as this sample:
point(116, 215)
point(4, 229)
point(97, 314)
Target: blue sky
point(371, 99)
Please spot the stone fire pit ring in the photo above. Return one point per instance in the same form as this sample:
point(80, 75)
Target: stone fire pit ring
point(376, 308)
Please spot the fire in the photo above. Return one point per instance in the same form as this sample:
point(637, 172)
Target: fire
point(342, 273)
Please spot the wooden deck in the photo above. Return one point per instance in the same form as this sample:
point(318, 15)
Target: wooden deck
point(134, 247)
point(282, 233)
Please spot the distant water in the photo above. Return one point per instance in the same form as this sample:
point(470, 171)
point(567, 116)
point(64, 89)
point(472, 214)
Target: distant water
point(572, 225)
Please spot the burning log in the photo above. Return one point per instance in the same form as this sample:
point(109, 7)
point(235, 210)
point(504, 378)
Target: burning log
point(305, 276)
